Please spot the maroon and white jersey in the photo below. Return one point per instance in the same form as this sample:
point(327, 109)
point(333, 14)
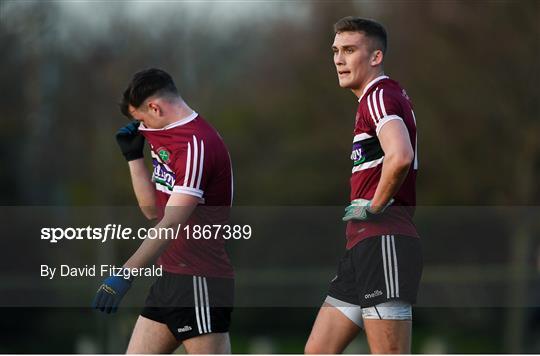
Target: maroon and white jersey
point(190, 157)
point(383, 100)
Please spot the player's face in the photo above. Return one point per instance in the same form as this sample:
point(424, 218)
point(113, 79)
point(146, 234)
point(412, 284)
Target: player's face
point(352, 58)
point(147, 116)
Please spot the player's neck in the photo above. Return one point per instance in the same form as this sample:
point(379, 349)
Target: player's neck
point(360, 91)
point(180, 111)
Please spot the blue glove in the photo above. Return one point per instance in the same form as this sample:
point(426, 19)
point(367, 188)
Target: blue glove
point(359, 210)
point(110, 293)
point(131, 141)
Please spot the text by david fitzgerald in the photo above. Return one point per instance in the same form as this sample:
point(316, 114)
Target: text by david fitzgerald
point(100, 271)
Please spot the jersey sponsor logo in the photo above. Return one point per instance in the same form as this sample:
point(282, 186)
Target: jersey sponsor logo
point(373, 295)
point(163, 175)
point(365, 151)
point(164, 154)
point(356, 155)
point(185, 329)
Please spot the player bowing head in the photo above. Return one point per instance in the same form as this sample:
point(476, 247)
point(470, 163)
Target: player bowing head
point(190, 184)
point(151, 98)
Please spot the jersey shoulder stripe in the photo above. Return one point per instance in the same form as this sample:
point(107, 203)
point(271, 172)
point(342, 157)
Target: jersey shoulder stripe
point(378, 101)
point(194, 168)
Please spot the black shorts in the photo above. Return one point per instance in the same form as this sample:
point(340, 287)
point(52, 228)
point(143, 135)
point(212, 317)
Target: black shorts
point(190, 305)
point(379, 269)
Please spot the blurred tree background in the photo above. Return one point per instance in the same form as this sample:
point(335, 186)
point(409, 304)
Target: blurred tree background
point(262, 74)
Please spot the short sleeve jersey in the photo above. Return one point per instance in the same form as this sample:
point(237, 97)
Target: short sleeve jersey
point(383, 100)
point(190, 157)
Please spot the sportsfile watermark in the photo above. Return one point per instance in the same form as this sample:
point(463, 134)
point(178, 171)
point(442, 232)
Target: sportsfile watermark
point(120, 232)
point(293, 248)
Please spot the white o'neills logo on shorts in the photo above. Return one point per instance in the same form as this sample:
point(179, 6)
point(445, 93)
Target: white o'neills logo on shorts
point(373, 295)
point(184, 329)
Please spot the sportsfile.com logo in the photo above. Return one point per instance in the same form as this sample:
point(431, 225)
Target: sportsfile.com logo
point(373, 295)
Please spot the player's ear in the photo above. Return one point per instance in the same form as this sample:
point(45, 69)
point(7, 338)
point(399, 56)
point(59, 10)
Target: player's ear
point(376, 58)
point(153, 107)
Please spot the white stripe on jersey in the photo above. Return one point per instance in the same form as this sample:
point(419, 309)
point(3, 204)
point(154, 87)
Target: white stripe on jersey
point(163, 188)
point(194, 169)
point(383, 122)
point(368, 99)
point(381, 103)
point(370, 84)
point(375, 109)
point(188, 162)
point(368, 165)
point(187, 190)
point(361, 137)
point(201, 161)
point(195, 161)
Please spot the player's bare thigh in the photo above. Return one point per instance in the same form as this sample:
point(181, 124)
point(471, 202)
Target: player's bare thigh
point(332, 332)
point(388, 327)
point(388, 336)
point(151, 337)
point(214, 343)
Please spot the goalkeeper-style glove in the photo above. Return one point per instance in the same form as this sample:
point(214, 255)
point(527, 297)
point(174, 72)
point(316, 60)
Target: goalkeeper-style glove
point(110, 293)
point(130, 140)
point(359, 210)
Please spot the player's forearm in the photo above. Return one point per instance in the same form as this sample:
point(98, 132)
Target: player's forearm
point(147, 253)
point(143, 188)
point(394, 171)
point(151, 249)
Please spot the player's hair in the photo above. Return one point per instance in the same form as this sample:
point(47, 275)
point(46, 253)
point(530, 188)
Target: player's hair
point(369, 28)
point(144, 84)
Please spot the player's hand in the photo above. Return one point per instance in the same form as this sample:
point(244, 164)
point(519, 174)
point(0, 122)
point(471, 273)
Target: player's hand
point(131, 141)
point(360, 210)
point(110, 293)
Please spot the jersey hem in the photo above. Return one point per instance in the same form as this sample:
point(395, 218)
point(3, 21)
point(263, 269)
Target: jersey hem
point(186, 190)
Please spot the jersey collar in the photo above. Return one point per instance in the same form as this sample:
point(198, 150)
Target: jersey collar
point(180, 122)
point(370, 84)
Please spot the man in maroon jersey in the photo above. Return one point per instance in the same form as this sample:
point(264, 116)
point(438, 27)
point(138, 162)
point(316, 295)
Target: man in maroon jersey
point(191, 184)
point(378, 277)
